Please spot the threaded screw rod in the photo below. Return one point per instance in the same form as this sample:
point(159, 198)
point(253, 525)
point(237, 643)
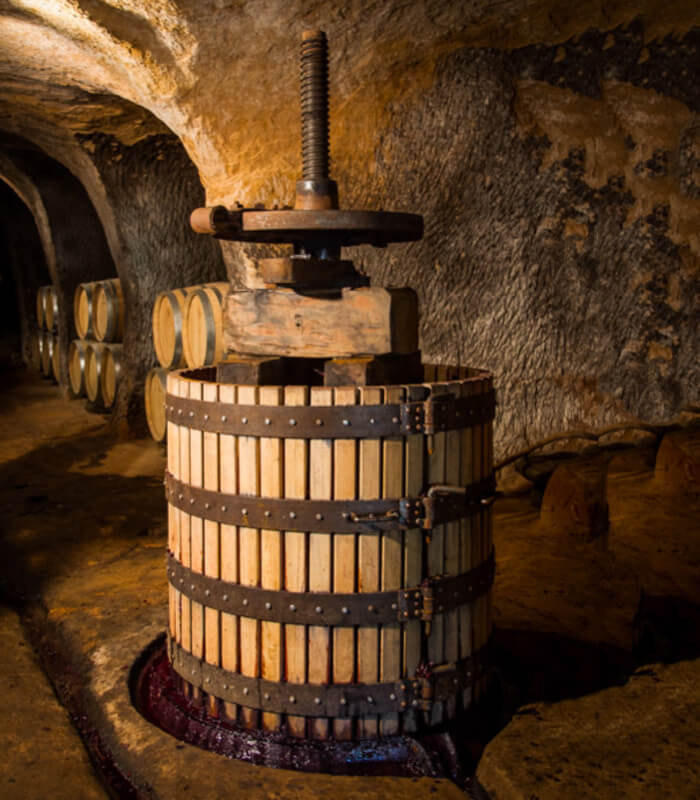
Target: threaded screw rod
point(314, 106)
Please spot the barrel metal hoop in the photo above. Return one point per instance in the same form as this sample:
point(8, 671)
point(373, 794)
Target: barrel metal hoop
point(436, 595)
point(177, 332)
point(327, 516)
point(335, 700)
point(437, 414)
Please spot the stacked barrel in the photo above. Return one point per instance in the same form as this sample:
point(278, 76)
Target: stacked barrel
point(44, 340)
point(187, 331)
point(94, 359)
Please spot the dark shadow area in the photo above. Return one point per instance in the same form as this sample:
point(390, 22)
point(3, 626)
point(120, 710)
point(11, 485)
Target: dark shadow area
point(23, 270)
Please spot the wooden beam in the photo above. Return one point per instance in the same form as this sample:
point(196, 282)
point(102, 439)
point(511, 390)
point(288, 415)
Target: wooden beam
point(352, 322)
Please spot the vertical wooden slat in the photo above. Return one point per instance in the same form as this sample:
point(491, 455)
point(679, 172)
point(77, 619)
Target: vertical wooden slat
point(413, 549)
point(185, 550)
point(466, 477)
point(228, 481)
point(212, 563)
point(249, 551)
point(173, 513)
point(436, 552)
point(392, 558)
point(296, 457)
point(368, 558)
point(271, 485)
point(320, 488)
point(196, 527)
point(344, 557)
point(477, 539)
point(451, 550)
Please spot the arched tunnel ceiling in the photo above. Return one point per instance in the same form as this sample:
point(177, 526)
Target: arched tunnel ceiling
point(222, 75)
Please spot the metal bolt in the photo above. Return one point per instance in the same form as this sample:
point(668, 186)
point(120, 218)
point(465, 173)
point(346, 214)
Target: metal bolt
point(394, 606)
point(319, 516)
point(268, 513)
point(179, 411)
point(207, 592)
point(346, 422)
point(403, 704)
point(192, 587)
point(180, 496)
point(370, 608)
point(370, 699)
point(246, 690)
point(225, 686)
point(223, 508)
point(395, 420)
point(292, 422)
point(319, 610)
point(244, 420)
point(317, 700)
point(292, 699)
point(225, 598)
point(206, 417)
point(268, 606)
point(319, 422)
point(245, 601)
point(268, 421)
point(223, 418)
point(345, 610)
point(292, 515)
point(191, 501)
point(414, 703)
point(244, 511)
point(346, 515)
point(392, 696)
point(292, 607)
point(207, 505)
point(207, 680)
point(343, 701)
point(266, 695)
point(371, 420)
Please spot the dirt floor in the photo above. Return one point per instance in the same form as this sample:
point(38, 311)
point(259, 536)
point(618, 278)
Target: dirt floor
point(597, 642)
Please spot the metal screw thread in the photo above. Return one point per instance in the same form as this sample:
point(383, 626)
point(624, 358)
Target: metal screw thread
point(314, 106)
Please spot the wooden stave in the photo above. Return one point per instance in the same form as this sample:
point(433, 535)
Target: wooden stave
point(184, 535)
point(155, 388)
point(51, 308)
point(108, 302)
point(76, 367)
point(84, 294)
point(41, 306)
point(110, 373)
point(210, 299)
point(93, 368)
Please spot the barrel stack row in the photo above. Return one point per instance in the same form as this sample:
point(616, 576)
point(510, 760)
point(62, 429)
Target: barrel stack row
point(44, 339)
point(187, 332)
point(94, 359)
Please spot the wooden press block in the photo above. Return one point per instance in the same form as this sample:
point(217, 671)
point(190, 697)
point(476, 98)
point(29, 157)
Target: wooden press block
point(364, 321)
point(373, 370)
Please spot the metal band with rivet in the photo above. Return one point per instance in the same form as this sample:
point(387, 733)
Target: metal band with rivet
point(436, 414)
point(336, 609)
point(329, 700)
point(329, 516)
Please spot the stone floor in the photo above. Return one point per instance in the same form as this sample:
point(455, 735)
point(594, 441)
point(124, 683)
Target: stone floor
point(589, 710)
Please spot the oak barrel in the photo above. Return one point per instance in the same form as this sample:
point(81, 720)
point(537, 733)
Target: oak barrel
point(108, 311)
point(83, 309)
point(51, 308)
point(93, 371)
point(41, 306)
point(154, 398)
point(330, 566)
point(202, 337)
point(110, 373)
point(77, 353)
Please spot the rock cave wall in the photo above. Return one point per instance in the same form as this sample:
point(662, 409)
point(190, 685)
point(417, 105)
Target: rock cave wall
point(553, 151)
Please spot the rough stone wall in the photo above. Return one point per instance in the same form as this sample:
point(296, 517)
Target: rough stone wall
point(151, 187)
point(553, 149)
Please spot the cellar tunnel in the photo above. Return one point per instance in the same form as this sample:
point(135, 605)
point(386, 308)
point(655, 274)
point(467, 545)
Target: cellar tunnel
point(553, 154)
